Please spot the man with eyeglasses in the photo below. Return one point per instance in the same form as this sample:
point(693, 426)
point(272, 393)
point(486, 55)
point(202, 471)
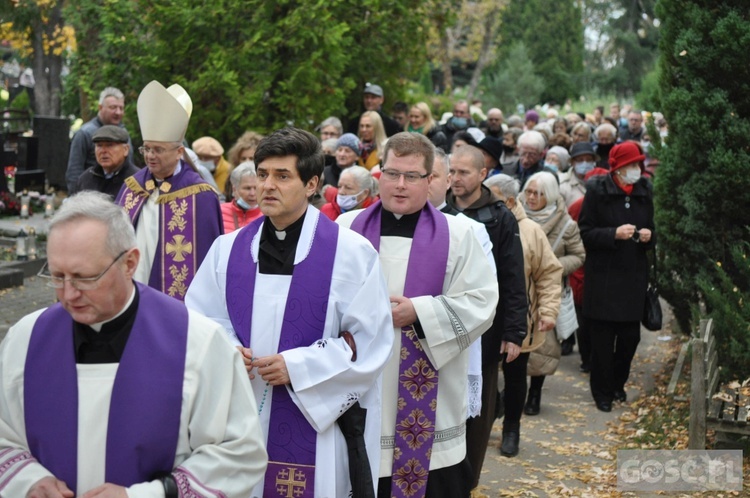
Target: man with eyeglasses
point(503, 341)
point(113, 166)
point(176, 214)
point(306, 302)
point(112, 391)
point(531, 145)
point(443, 293)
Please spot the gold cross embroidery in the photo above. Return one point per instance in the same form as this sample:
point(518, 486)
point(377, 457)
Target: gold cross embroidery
point(179, 248)
point(290, 481)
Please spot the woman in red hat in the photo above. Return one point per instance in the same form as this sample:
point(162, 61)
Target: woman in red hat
point(617, 228)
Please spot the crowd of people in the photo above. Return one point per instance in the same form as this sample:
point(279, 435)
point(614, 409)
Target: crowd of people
point(341, 303)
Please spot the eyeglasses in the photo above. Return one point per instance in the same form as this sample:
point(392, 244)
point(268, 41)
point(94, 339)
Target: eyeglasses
point(536, 193)
point(157, 151)
point(83, 284)
point(409, 177)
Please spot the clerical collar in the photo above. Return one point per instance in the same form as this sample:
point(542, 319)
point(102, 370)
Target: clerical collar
point(398, 225)
point(105, 342)
point(98, 326)
point(278, 248)
point(440, 207)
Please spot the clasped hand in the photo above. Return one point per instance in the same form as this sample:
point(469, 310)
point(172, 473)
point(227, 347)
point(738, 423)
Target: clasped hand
point(271, 368)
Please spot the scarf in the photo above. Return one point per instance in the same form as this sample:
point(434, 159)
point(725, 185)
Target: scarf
point(367, 148)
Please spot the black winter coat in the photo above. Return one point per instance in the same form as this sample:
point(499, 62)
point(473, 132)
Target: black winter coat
point(512, 307)
point(616, 271)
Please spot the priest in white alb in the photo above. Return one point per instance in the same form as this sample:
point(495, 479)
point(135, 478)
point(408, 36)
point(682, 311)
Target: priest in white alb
point(306, 302)
point(444, 292)
point(118, 390)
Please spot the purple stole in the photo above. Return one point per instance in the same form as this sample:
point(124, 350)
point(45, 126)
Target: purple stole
point(418, 380)
point(144, 414)
point(291, 439)
point(176, 259)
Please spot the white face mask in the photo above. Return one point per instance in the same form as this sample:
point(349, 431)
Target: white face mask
point(630, 176)
point(209, 165)
point(347, 202)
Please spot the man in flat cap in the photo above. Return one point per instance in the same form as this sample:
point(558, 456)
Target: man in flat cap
point(113, 165)
point(210, 156)
point(175, 212)
point(82, 151)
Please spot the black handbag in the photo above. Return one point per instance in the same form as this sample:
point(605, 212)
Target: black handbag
point(652, 315)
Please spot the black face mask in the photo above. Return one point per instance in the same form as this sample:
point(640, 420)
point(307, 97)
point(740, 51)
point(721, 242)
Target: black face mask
point(509, 149)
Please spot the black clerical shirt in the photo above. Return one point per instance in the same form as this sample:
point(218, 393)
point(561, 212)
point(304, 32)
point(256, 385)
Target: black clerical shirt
point(275, 256)
point(107, 345)
point(390, 226)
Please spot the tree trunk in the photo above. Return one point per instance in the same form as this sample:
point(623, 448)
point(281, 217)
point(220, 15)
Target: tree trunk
point(490, 29)
point(446, 63)
point(47, 65)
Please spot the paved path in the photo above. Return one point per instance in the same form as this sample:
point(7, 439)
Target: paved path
point(569, 449)
point(17, 302)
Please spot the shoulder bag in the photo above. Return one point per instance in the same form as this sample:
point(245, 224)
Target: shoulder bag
point(652, 315)
point(567, 321)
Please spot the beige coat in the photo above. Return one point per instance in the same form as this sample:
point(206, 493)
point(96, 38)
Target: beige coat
point(572, 188)
point(571, 255)
point(543, 278)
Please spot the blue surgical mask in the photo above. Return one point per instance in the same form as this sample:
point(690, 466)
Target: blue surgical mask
point(347, 202)
point(583, 168)
point(551, 167)
point(460, 123)
point(244, 205)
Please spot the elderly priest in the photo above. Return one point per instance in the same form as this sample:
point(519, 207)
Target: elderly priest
point(112, 392)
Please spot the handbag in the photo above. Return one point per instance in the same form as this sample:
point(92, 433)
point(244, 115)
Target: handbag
point(652, 315)
point(567, 320)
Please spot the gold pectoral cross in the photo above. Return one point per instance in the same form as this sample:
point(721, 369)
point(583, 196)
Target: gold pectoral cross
point(179, 248)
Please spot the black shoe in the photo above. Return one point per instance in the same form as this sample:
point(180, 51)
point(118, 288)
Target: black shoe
point(621, 395)
point(533, 402)
point(500, 405)
point(566, 348)
point(585, 368)
point(509, 447)
point(604, 406)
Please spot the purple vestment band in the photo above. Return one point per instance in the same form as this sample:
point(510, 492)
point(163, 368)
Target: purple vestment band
point(291, 439)
point(144, 415)
point(418, 380)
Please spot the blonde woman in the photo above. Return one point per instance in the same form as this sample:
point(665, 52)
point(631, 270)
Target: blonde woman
point(420, 121)
point(372, 135)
